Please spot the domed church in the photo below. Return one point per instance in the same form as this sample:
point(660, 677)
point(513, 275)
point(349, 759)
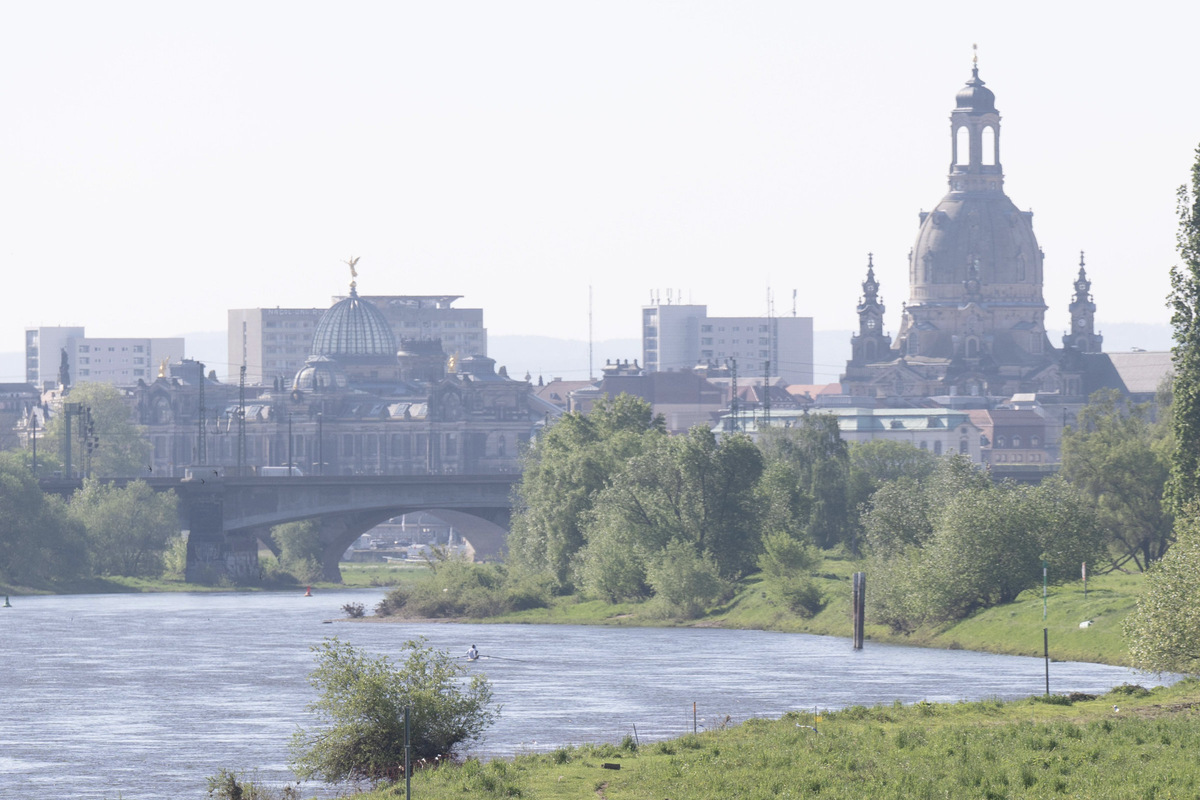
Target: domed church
point(974, 323)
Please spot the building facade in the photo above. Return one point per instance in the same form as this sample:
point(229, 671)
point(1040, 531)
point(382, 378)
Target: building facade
point(274, 343)
point(974, 322)
point(681, 337)
point(119, 361)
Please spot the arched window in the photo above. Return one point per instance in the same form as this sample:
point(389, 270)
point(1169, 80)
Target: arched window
point(972, 348)
point(989, 146)
point(924, 445)
point(962, 146)
point(1035, 441)
point(937, 447)
point(1016, 441)
point(1001, 442)
point(963, 448)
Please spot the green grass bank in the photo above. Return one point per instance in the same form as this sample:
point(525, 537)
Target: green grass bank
point(1014, 628)
point(1127, 744)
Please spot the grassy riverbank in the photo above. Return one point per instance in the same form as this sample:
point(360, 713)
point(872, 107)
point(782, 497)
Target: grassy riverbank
point(1014, 628)
point(1126, 744)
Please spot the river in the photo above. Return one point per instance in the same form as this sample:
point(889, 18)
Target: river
point(141, 697)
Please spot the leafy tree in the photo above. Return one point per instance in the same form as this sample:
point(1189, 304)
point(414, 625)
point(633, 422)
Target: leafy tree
point(969, 544)
point(361, 710)
point(882, 460)
point(1120, 458)
point(1164, 630)
point(128, 528)
point(693, 490)
point(787, 563)
point(813, 457)
point(564, 470)
point(685, 583)
point(39, 543)
point(1184, 486)
point(300, 549)
point(123, 448)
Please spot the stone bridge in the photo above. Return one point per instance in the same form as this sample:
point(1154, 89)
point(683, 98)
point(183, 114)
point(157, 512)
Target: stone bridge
point(226, 517)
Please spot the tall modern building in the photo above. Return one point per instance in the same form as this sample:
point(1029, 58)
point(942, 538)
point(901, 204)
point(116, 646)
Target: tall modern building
point(682, 337)
point(120, 361)
point(273, 343)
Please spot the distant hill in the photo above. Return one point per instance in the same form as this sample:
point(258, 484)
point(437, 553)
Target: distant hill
point(550, 357)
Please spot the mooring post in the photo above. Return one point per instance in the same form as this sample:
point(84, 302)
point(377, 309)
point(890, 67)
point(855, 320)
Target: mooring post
point(858, 603)
point(1046, 649)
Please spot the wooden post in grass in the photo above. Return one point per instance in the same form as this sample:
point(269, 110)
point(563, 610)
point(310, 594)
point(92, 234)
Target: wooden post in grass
point(859, 607)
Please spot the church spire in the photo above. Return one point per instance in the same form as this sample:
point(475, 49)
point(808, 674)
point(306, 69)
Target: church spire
point(870, 344)
point(1083, 336)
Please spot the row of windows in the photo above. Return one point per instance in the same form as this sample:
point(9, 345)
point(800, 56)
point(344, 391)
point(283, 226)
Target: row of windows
point(1015, 458)
point(1002, 442)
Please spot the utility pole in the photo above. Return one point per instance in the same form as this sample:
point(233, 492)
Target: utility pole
point(241, 442)
point(202, 430)
point(767, 394)
point(290, 462)
point(733, 397)
point(69, 410)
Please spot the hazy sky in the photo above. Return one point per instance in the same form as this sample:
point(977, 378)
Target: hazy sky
point(161, 163)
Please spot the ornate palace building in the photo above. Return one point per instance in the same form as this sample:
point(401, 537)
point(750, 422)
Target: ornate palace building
point(364, 402)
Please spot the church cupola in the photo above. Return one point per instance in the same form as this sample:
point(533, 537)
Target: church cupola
point(1083, 336)
point(975, 138)
point(870, 344)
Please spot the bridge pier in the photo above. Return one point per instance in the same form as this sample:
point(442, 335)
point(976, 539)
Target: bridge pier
point(213, 554)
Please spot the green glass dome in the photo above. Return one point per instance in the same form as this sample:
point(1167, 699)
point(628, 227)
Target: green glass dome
point(354, 329)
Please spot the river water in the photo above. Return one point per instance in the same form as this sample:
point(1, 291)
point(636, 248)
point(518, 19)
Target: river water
point(141, 697)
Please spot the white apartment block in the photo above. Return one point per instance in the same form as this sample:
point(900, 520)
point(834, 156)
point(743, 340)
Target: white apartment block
point(680, 337)
point(271, 342)
point(119, 361)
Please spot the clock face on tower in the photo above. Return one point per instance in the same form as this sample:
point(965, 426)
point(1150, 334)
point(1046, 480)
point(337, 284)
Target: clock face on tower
point(1080, 324)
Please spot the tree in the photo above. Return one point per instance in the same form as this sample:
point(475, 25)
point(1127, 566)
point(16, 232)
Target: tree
point(128, 529)
point(121, 448)
point(1184, 486)
point(564, 470)
point(970, 544)
point(1120, 458)
point(300, 549)
point(361, 710)
point(818, 463)
point(39, 543)
point(1164, 630)
point(692, 490)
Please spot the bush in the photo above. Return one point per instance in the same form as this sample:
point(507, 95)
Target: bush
point(685, 584)
point(354, 610)
point(361, 707)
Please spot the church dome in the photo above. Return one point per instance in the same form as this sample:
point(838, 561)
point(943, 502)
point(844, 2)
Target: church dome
point(975, 236)
point(354, 329)
point(320, 374)
point(975, 97)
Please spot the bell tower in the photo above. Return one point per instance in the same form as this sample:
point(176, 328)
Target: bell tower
point(1083, 336)
point(870, 344)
